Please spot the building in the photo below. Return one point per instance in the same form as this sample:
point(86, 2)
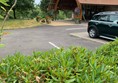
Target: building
point(89, 7)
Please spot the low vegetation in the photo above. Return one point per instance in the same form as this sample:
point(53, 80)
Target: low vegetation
point(14, 24)
point(109, 50)
point(72, 65)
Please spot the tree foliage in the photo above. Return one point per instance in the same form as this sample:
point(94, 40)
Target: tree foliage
point(44, 5)
point(22, 6)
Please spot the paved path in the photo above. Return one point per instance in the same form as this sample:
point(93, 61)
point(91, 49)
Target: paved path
point(44, 38)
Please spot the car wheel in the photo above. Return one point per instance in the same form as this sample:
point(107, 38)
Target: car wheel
point(93, 33)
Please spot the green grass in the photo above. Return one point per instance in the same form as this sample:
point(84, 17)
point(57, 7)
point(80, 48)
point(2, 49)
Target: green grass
point(15, 24)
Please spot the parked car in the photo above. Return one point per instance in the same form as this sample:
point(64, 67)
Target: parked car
point(104, 24)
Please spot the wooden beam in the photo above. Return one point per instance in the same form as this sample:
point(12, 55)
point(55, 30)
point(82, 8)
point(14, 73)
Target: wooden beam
point(56, 5)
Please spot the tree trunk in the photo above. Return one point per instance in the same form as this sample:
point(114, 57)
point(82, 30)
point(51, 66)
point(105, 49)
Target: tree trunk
point(14, 12)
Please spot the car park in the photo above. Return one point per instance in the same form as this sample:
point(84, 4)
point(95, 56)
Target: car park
point(104, 24)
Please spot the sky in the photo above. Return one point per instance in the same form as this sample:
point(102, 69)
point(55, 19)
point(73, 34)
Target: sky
point(37, 1)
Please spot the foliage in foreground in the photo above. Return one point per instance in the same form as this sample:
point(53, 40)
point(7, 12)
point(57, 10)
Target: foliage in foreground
point(110, 49)
point(73, 65)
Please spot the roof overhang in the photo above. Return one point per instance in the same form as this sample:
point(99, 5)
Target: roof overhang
point(71, 4)
point(99, 2)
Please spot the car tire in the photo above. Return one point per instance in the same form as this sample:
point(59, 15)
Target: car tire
point(93, 33)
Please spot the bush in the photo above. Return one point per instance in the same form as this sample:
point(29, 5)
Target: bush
point(109, 55)
point(110, 49)
point(73, 65)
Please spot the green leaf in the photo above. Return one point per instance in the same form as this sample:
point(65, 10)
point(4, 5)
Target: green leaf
point(2, 45)
point(55, 79)
point(1, 33)
point(3, 8)
point(70, 81)
point(4, 2)
point(1, 17)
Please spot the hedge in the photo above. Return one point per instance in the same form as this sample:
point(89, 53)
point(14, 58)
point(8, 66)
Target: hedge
point(72, 65)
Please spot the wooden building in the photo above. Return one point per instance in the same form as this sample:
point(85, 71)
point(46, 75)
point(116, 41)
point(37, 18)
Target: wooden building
point(87, 7)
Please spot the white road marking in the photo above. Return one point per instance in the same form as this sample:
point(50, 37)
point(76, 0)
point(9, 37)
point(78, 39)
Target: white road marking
point(75, 28)
point(54, 45)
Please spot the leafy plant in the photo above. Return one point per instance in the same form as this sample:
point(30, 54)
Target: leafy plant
point(3, 2)
point(110, 49)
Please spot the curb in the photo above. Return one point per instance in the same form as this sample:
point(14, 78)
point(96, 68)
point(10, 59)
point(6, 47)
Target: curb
point(84, 35)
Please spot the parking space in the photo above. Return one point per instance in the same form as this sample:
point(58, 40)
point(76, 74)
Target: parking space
point(46, 37)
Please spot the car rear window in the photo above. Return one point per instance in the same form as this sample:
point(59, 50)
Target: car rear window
point(113, 18)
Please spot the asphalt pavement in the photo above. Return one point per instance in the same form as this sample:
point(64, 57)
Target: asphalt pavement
point(45, 37)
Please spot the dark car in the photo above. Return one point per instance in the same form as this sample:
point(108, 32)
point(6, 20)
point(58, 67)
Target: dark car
point(104, 24)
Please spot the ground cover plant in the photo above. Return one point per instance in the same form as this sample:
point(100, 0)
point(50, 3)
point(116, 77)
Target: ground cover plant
point(72, 65)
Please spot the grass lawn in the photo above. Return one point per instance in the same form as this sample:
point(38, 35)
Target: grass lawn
point(15, 24)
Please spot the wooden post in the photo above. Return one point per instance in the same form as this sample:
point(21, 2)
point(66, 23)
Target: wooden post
point(80, 7)
point(56, 5)
point(55, 8)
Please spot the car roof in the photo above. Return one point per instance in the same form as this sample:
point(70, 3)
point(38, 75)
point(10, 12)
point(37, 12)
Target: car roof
point(108, 13)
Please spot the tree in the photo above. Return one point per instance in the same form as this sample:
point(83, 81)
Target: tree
point(22, 6)
point(44, 5)
point(35, 12)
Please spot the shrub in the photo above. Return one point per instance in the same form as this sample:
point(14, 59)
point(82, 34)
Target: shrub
point(110, 49)
point(73, 65)
point(109, 55)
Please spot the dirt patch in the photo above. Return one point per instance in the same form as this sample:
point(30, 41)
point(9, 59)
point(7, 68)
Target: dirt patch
point(62, 23)
point(66, 23)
